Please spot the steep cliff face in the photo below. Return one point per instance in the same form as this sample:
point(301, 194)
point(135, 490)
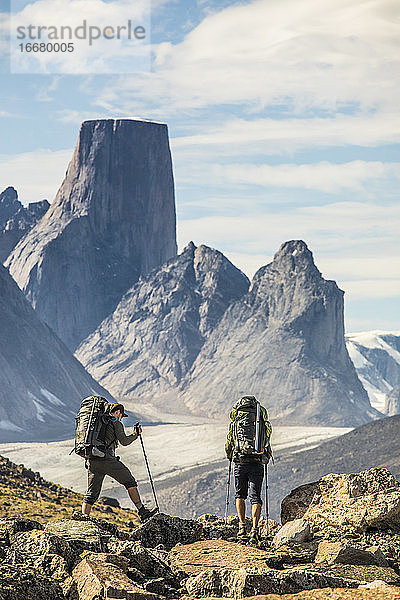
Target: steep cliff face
point(16, 220)
point(376, 357)
point(152, 338)
point(41, 383)
point(112, 220)
point(284, 342)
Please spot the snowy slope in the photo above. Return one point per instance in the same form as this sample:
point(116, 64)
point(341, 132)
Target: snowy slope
point(376, 357)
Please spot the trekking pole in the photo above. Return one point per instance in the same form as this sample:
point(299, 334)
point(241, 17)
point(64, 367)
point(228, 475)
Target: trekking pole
point(266, 497)
point(148, 468)
point(227, 491)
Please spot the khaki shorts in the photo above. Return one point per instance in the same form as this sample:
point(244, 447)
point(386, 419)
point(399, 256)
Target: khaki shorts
point(98, 468)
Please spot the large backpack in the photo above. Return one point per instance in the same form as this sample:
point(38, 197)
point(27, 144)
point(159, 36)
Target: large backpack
point(91, 422)
point(250, 432)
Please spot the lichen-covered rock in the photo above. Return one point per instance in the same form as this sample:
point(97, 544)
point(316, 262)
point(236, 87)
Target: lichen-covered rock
point(298, 531)
point(97, 577)
point(295, 504)
point(348, 501)
point(14, 525)
point(344, 553)
point(26, 583)
point(194, 558)
point(357, 573)
point(239, 583)
point(36, 543)
point(144, 560)
point(214, 527)
point(291, 554)
point(81, 535)
point(167, 531)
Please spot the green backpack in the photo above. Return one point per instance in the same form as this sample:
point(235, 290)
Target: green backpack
point(91, 422)
point(251, 434)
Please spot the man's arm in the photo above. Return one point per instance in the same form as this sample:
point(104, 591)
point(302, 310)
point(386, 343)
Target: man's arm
point(121, 436)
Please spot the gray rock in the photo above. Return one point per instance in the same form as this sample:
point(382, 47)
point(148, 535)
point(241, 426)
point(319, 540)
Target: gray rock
point(36, 543)
point(298, 531)
point(80, 535)
point(392, 406)
point(239, 583)
point(26, 583)
point(112, 220)
point(41, 382)
point(284, 343)
point(144, 560)
point(347, 554)
point(16, 220)
point(154, 335)
point(348, 502)
point(168, 531)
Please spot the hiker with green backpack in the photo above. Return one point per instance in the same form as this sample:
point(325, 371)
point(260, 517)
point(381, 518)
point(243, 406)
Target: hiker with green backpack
point(248, 447)
point(99, 431)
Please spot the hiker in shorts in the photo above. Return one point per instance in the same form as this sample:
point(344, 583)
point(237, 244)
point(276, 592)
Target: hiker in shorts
point(99, 467)
point(248, 447)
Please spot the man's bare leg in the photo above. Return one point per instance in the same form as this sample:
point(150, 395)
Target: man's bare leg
point(86, 508)
point(256, 513)
point(134, 496)
point(241, 510)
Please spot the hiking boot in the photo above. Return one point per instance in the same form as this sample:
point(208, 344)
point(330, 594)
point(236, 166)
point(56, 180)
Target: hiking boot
point(145, 514)
point(254, 536)
point(242, 533)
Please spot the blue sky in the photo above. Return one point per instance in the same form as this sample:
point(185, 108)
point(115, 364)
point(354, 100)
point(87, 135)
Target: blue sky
point(284, 123)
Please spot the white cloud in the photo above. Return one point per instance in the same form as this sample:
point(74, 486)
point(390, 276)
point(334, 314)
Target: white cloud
point(275, 136)
point(324, 176)
point(35, 175)
point(305, 55)
point(352, 241)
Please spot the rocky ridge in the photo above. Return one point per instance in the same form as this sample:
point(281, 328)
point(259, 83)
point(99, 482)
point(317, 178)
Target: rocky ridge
point(376, 356)
point(16, 220)
point(148, 344)
point(112, 220)
point(283, 342)
point(80, 558)
point(41, 382)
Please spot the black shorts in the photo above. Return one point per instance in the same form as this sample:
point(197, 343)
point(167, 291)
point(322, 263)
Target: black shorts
point(248, 481)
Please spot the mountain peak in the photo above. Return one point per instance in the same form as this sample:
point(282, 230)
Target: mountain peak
point(113, 220)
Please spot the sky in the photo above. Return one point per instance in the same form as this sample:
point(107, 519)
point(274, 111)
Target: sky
point(283, 117)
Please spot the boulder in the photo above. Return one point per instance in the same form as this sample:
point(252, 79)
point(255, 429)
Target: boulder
point(298, 530)
point(14, 525)
point(192, 559)
point(239, 583)
point(344, 553)
point(167, 531)
point(214, 527)
point(81, 535)
point(26, 583)
point(357, 573)
point(32, 544)
point(295, 504)
point(291, 554)
point(142, 559)
point(106, 501)
point(353, 501)
point(95, 576)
